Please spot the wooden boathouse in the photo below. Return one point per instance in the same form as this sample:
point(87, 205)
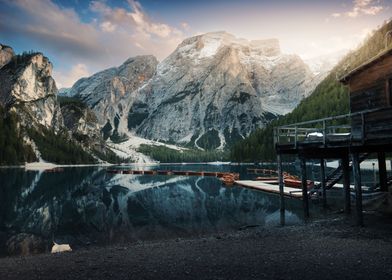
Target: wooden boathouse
point(365, 131)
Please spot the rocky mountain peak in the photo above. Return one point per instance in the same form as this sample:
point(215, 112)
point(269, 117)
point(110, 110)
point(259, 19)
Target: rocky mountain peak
point(132, 69)
point(221, 88)
point(42, 63)
point(268, 47)
point(6, 54)
point(27, 84)
point(211, 91)
point(109, 92)
point(209, 44)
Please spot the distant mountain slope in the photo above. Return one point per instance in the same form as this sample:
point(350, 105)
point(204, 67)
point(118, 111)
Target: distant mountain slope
point(328, 99)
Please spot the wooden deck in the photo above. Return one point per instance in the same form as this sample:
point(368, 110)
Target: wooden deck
point(360, 131)
point(269, 188)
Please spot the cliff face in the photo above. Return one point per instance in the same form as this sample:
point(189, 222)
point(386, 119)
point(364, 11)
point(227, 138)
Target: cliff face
point(28, 94)
point(28, 89)
point(81, 122)
point(109, 93)
point(6, 54)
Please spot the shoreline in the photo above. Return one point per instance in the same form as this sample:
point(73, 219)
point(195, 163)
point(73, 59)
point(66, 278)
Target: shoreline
point(365, 165)
point(325, 249)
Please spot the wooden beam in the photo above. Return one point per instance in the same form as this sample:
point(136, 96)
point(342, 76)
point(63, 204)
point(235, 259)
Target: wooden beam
point(346, 184)
point(322, 180)
point(358, 188)
point(387, 92)
point(281, 190)
point(304, 188)
point(382, 171)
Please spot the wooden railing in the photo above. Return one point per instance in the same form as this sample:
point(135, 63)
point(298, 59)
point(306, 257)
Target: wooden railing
point(353, 127)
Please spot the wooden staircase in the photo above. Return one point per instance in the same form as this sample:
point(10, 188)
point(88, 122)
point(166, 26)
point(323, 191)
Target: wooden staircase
point(336, 175)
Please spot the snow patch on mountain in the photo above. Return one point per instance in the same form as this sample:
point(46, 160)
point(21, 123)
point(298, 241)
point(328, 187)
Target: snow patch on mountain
point(210, 48)
point(128, 148)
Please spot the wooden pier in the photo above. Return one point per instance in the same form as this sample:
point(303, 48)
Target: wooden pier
point(269, 187)
point(351, 138)
point(262, 171)
point(236, 176)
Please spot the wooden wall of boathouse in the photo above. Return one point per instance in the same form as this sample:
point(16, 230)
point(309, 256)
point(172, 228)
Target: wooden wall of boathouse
point(370, 88)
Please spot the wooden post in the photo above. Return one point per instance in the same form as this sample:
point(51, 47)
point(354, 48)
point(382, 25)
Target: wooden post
point(346, 184)
point(296, 137)
point(382, 171)
point(390, 162)
point(358, 188)
point(281, 190)
point(304, 189)
point(322, 180)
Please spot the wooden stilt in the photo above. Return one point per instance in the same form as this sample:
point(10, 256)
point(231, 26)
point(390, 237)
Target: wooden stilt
point(281, 191)
point(322, 180)
point(346, 184)
point(304, 189)
point(382, 171)
point(358, 188)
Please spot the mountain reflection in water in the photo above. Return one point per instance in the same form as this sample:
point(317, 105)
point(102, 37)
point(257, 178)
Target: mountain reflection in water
point(86, 204)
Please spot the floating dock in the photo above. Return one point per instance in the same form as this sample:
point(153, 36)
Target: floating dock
point(261, 171)
point(236, 176)
point(266, 186)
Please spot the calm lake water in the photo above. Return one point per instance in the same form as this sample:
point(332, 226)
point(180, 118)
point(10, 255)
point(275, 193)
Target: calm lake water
point(87, 205)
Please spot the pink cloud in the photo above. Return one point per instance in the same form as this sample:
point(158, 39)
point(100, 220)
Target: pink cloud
point(362, 7)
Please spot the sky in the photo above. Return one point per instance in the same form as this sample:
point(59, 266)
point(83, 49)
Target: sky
point(82, 37)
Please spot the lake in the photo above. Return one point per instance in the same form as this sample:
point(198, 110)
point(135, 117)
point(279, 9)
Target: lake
point(87, 205)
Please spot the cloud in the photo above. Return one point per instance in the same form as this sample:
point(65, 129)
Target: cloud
point(185, 26)
point(113, 35)
point(107, 26)
point(46, 23)
point(64, 80)
point(135, 19)
point(362, 7)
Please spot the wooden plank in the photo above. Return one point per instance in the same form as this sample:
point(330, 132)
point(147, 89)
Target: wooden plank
point(304, 184)
point(346, 184)
point(269, 188)
point(322, 180)
point(369, 98)
point(281, 190)
point(390, 90)
point(387, 93)
point(377, 72)
point(382, 169)
point(358, 188)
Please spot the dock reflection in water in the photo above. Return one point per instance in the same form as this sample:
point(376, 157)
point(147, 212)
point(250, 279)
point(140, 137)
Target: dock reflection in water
point(84, 205)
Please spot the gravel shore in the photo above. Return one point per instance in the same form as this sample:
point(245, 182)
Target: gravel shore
point(328, 249)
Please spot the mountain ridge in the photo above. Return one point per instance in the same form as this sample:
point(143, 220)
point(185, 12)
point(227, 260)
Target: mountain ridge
point(212, 91)
point(218, 85)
